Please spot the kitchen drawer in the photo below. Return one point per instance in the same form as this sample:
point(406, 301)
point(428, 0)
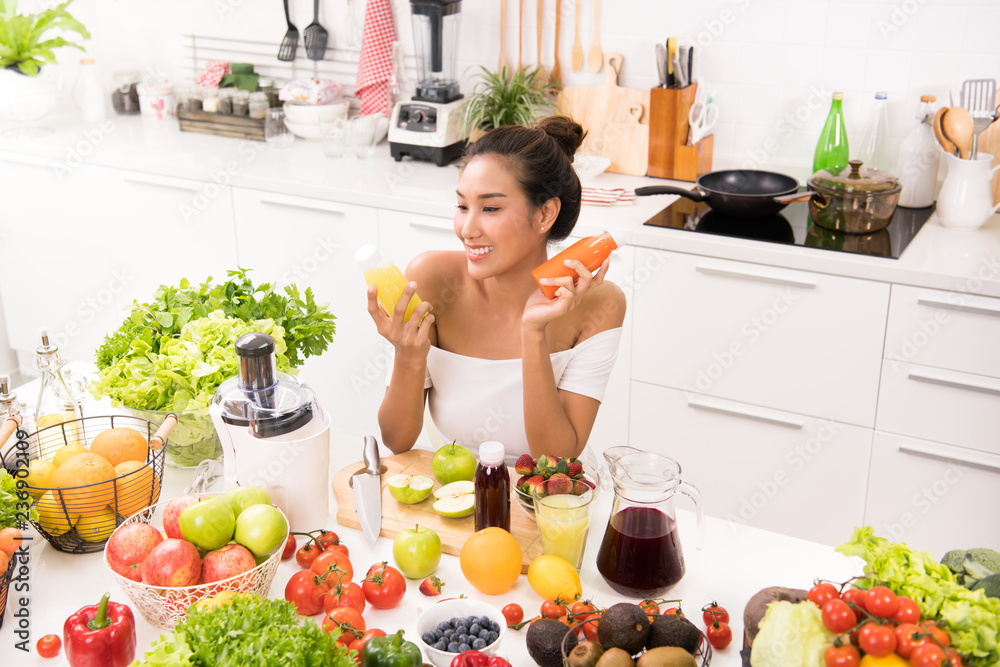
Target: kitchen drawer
point(944, 329)
point(755, 466)
point(791, 340)
point(939, 404)
point(932, 495)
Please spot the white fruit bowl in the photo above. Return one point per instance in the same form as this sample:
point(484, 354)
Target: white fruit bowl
point(164, 606)
point(456, 608)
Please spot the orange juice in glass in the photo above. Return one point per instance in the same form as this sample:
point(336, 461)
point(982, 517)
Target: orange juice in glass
point(563, 519)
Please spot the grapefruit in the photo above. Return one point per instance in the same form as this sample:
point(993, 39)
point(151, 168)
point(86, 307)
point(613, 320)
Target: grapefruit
point(136, 487)
point(491, 560)
point(120, 444)
point(86, 481)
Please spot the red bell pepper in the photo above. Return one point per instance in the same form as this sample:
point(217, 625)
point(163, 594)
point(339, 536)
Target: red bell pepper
point(100, 635)
point(477, 659)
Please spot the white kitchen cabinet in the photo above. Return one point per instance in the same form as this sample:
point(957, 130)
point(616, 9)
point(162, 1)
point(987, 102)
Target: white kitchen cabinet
point(311, 243)
point(77, 245)
point(756, 466)
point(792, 340)
point(930, 495)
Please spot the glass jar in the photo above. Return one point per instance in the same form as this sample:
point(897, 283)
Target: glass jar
point(276, 132)
point(189, 99)
point(226, 101)
point(209, 99)
point(258, 105)
point(125, 97)
point(266, 86)
point(241, 103)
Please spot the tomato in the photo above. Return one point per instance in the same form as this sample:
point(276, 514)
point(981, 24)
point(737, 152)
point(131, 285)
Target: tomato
point(553, 609)
point(881, 602)
point(289, 549)
point(335, 566)
point(584, 607)
point(348, 620)
point(907, 611)
point(513, 613)
point(905, 642)
point(588, 631)
point(344, 595)
point(49, 646)
point(384, 587)
point(713, 612)
point(932, 628)
point(327, 539)
point(341, 547)
point(928, 655)
point(307, 554)
point(650, 607)
point(838, 617)
point(676, 611)
point(877, 640)
point(842, 656)
point(719, 635)
point(856, 597)
point(359, 643)
point(305, 593)
point(956, 658)
point(820, 594)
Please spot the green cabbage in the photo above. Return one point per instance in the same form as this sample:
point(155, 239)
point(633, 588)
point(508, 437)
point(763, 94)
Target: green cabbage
point(791, 635)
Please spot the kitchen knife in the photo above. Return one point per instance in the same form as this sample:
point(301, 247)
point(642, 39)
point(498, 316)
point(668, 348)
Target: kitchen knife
point(671, 55)
point(661, 63)
point(692, 66)
point(682, 66)
point(368, 492)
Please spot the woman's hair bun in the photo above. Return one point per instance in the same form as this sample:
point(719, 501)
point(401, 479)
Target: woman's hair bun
point(567, 133)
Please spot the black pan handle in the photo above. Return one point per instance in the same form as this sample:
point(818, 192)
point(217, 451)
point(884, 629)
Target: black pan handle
point(693, 195)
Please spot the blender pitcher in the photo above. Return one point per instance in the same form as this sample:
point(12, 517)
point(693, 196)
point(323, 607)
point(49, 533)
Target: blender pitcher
point(640, 554)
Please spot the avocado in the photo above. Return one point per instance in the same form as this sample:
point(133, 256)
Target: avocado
point(624, 626)
point(586, 654)
point(667, 656)
point(673, 630)
point(544, 641)
point(615, 657)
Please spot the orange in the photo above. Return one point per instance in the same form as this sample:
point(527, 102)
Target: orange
point(38, 476)
point(136, 486)
point(10, 540)
point(96, 527)
point(120, 444)
point(67, 451)
point(52, 515)
point(92, 474)
point(491, 560)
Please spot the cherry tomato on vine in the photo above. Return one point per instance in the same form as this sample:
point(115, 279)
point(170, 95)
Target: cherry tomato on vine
point(359, 644)
point(303, 591)
point(347, 594)
point(307, 554)
point(48, 646)
point(588, 631)
point(838, 617)
point(857, 597)
point(932, 628)
point(335, 565)
point(289, 549)
point(905, 641)
point(513, 613)
point(928, 655)
point(907, 610)
point(348, 620)
point(553, 609)
point(719, 635)
point(820, 594)
point(651, 607)
point(384, 586)
point(842, 656)
point(881, 602)
point(326, 539)
point(956, 658)
point(877, 640)
point(583, 607)
point(713, 612)
point(676, 611)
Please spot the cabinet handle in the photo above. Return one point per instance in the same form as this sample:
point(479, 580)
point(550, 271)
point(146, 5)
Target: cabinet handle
point(33, 161)
point(761, 276)
point(960, 454)
point(430, 226)
point(961, 307)
point(984, 385)
point(322, 207)
point(757, 414)
point(156, 182)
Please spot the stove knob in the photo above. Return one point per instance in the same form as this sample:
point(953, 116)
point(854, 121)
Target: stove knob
point(416, 116)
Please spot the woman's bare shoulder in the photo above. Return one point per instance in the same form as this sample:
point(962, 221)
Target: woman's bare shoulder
point(602, 308)
point(434, 270)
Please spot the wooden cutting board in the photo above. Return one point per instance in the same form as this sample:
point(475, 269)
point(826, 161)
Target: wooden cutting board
point(607, 112)
point(396, 515)
point(989, 142)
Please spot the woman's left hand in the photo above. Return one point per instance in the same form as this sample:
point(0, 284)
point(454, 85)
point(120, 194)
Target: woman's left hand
point(540, 310)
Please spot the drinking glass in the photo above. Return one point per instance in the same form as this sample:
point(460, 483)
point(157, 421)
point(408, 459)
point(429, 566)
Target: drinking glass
point(276, 132)
point(563, 518)
point(361, 134)
point(334, 133)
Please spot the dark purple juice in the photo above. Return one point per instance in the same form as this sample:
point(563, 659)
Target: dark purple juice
point(640, 556)
point(492, 497)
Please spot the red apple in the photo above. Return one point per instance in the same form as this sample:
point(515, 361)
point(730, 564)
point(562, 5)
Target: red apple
point(129, 546)
point(172, 562)
point(172, 513)
point(225, 562)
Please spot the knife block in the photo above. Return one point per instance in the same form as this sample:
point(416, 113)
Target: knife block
point(669, 154)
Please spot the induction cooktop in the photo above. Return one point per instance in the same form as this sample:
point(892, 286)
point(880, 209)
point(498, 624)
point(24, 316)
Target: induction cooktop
point(792, 226)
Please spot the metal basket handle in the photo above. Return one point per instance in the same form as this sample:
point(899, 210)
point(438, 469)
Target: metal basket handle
point(160, 437)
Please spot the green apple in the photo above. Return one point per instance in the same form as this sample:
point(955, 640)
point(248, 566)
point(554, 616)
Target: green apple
point(410, 489)
point(242, 497)
point(453, 463)
point(261, 529)
point(417, 552)
point(455, 500)
point(208, 524)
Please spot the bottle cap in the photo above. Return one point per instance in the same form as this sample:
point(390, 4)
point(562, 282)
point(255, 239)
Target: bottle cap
point(838, 96)
point(491, 452)
point(368, 256)
point(880, 96)
point(928, 98)
point(86, 61)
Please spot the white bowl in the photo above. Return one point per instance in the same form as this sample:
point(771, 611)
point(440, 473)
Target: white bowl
point(457, 608)
point(304, 130)
point(311, 114)
point(588, 165)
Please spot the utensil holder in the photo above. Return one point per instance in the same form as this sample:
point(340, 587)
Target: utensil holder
point(669, 154)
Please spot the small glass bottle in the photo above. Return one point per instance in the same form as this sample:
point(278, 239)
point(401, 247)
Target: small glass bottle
point(56, 401)
point(10, 407)
point(125, 97)
point(88, 94)
point(875, 151)
point(387, 278)
point(209, 99)
point(492, 487)
point(241, 103)
point(832, 151)
point(918, 160)
point(226, 101)
point(266, 86)
point(258, 105)
point(592, 251)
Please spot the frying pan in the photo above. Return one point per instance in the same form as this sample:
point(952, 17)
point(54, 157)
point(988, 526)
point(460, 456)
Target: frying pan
point(739, 192)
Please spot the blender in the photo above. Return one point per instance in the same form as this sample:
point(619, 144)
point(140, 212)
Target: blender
point(428, 127)
point(274, 435)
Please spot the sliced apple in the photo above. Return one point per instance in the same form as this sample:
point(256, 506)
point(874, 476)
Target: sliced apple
point(410, 489)
point(455, 500)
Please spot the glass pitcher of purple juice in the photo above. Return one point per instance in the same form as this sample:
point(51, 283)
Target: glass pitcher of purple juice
point(640, 555)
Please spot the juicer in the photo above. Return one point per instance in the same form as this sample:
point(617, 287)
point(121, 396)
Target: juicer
point(274, 435)
point(428, 127)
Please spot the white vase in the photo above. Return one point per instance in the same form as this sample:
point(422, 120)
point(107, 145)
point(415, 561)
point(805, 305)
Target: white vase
point(965, 202)
point(27, 99)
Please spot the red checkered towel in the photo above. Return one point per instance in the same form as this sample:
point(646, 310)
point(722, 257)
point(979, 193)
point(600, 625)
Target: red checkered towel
point(375, 68)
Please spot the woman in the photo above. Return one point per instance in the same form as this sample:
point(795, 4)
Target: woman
point(494, 357)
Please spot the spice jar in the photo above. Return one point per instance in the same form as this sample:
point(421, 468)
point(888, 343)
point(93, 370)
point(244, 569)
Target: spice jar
point(125, 97)
point(209, 99)
point(258, 105)
point(226, 101)
point(266, 86)
point(156, 100)
point(241, 103)
point(189, 99)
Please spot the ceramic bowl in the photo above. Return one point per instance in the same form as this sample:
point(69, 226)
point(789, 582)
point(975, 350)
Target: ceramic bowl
point(588, 165)
point(311, 114)
point(456, 608)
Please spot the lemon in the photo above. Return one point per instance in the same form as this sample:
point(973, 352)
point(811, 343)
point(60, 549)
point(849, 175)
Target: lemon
point(96, 527)
point(51, 515)
point(38, 476)
point(554, 578)
point(67, 452)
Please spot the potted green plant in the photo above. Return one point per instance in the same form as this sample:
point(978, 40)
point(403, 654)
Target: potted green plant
point(506, 97)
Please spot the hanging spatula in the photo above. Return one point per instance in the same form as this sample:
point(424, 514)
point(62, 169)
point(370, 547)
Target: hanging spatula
point(315, 36)
point(290, 43)
point(979, 98)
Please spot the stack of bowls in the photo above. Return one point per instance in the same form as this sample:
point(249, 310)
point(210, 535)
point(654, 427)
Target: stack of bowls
point(304, 119)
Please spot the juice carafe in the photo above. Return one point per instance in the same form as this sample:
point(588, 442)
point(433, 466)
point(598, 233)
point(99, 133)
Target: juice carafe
point(640, 555)
point(387, 278)
point(592, 251)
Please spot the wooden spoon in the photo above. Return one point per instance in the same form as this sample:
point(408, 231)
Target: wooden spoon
point(503, 35)
point(595, 60)
point(542, 78)
point(958, 126)
point(939, 133)
point(577, 44)
point(556, 74)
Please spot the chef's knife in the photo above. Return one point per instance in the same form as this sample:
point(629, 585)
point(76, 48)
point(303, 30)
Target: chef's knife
point(661, 63)
point(682, 66)
point(671, 55)
point(368, 492)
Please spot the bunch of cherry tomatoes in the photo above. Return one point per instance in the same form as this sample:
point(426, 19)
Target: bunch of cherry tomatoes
point(881, 624)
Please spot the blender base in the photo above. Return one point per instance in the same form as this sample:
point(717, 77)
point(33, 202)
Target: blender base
point(439, 155)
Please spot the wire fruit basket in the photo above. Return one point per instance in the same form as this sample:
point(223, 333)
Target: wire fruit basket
point(703, 656)
point(80, 519)
point(164, 606)
point(5, 579)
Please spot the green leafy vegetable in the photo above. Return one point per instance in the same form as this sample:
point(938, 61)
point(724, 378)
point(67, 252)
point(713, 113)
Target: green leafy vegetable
point(250, 631)
point(972, 618)
point(21, 36)
point(12, 507)
point(791, 635)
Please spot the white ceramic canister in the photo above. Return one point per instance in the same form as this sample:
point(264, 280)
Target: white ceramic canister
point(156, 100)
point(966, 202)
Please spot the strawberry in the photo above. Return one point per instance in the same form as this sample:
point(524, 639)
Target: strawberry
point(559, 475)
point(575, 469)
point(559, 483)
point(525, 465)
point(431, 586)
point(588, 483)
point(521, 480)
point(533, 482)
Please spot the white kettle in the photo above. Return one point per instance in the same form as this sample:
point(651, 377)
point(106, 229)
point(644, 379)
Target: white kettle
point(274, 435)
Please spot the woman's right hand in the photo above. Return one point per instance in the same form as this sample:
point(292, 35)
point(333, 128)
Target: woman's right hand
point(410, 338)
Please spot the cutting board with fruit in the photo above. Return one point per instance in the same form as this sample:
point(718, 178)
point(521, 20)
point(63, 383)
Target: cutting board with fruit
point(397, 516)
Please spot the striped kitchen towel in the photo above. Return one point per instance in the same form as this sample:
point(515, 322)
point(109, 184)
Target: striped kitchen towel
point(607, 196)
point(375, 67)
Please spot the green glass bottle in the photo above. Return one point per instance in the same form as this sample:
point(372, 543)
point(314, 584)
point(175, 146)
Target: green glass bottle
point(832, 152)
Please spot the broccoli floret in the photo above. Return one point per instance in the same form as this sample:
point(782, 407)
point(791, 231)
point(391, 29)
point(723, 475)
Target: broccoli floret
point(981, 563)
point(954, 560)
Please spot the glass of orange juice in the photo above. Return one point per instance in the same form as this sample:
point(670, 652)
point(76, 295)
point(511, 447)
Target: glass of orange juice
point(563, 518)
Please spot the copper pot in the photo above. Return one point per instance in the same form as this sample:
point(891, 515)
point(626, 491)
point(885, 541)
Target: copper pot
point(855, 201)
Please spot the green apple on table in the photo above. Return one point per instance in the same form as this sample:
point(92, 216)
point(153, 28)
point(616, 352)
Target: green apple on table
point(261, 529)
point(208, 524)
point(453, 463)
point(417, 552)
point(242, 497)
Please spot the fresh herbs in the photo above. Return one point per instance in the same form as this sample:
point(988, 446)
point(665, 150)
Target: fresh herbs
point(22, 44)
point(506, 98)
point(13, 509)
